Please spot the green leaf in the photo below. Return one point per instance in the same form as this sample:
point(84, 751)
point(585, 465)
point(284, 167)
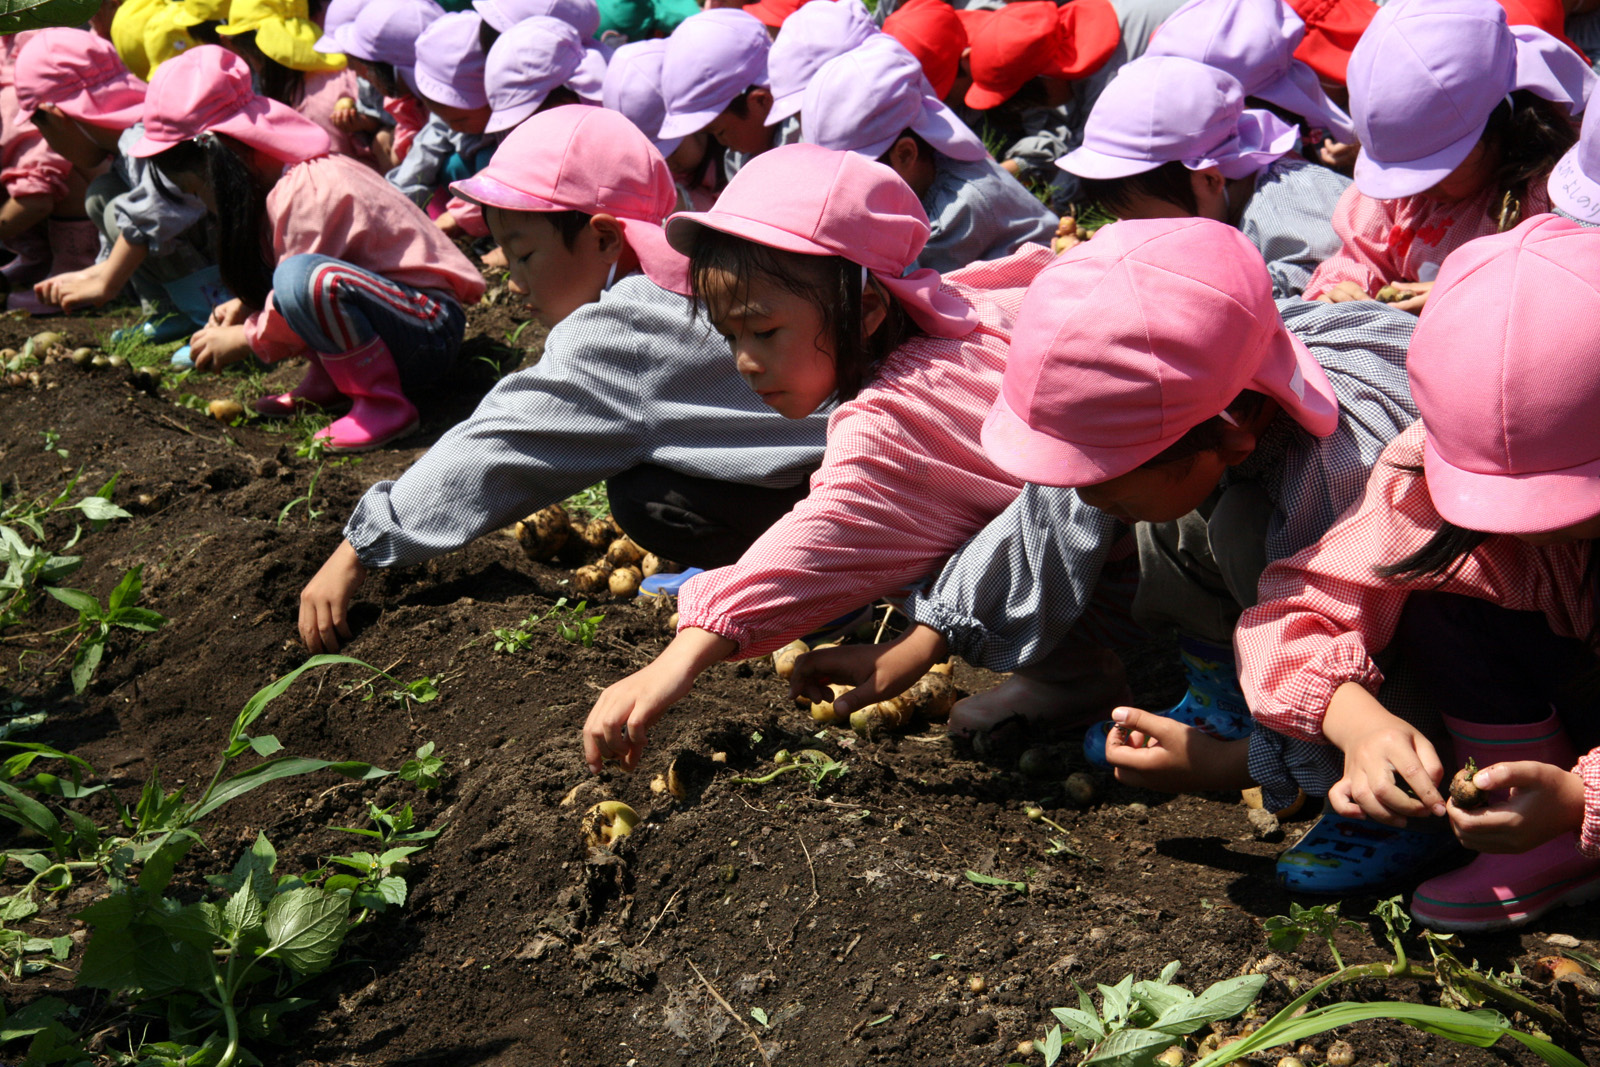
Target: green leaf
point(1128, 1047)
point(305, 928)
point(29, 1020)
point(87, 661)
point(274, 770)
point(1114, 999)
point(987, 879)
point(96, 508)
point(243, 911)
point(158, 867)
point(141, 619)
point(1084, 1025)
point(759, 1015)
point(393, 890)
point(108, 959)
point(85, 604)
point(1052, 1046)
point(1223, 1000)
point(254, 869)
point(266, 746)
point(258, 703)
point(29, 812)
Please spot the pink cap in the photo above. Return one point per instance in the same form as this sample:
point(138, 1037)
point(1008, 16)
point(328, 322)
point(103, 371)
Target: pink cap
point(501, 15)
point(207, 89)
point(81, 74)
point(633, 87)
point(1452, 61)
point(1127, 342)
point(1503, 371)
point(589, 159)
point(451, 61)
point(1574, 183)
point(526, 63)
point(1161, 109)
point(819, 31)
point(865, 99)
point(810, 200)
point(711, 58)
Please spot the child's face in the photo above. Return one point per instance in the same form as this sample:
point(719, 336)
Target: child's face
point(1587, 530)
point(554, 280)
point(689, 157)
point(71, 140)
point(1467, 180)
point(1161, 493)
point(747, 133)
point(462, 119)
point(777, 342)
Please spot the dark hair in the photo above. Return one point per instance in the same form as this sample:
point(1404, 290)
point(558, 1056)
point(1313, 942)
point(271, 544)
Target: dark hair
point(569, 224)
point(1529, 136)
point(1207, 436)
point(560, 96)
point(1170, 183)
point(1440, 558)
point(241, 219)
point(386, 79)
point(273, 80)
point(740, 105)
point(831, 283)
point(206, 32)
point(487, 35)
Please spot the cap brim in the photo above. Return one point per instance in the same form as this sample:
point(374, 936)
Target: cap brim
point(981, 98)
point(1038, 457)
point(486, 190)
point(501, 119)
point(1291, 375)
point(442, 93)
point(1391, 180)
point(661, 263)
point(945, 131)
point(667, 145)
point(1300, 92)
point(1087, 163)
point(785, 107)
point(682, 124)
point(1573, 191)
point(331, 42)
point(684, 226)
point(1511, 503)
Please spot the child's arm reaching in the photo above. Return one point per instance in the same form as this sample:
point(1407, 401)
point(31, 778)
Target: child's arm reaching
point(620, 721)
point(325, 601)
point(1377, 746)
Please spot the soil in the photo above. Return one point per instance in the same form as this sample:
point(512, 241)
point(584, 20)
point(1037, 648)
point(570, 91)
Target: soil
point(841, 911)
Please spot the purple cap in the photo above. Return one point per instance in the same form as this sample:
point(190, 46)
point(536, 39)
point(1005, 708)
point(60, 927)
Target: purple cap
point(865, 99)
point(451, 61)
point(1254, 40)
point(335, 21)
point(529, 60)
point(501, 15)
point(816, 33)
point(388, 33)
point(633, 87)
point(711, 58)
point(1427, 74)
point(1161, 109)
point(1574, 183)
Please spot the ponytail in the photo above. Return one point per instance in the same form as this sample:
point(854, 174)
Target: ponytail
point(273, 80)
point(1529, 135)
point(241, 210)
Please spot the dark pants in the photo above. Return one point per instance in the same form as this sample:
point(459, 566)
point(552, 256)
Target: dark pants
point(698, 522)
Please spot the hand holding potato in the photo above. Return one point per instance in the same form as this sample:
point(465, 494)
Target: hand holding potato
point(877, 672)
point(1541, 801)
point(1154, 752)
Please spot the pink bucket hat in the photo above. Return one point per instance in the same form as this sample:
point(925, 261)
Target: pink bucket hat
point(633, 87)
point(1451, 62)
point(501, 15)
point(451, 61)
point(589, 159)
point(1161, 109)
point(1254, 40)
point(81, 74)
point(1129, 341)
point(1574, 183)
point(711, 58)
point(1502, 370)
point(528, 62)
point(806, 199)
point(387, 32)
point(819, 31)
point(865, 99)
point(207, 89)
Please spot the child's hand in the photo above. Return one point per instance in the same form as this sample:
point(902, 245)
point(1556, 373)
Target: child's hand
point(1338, 155)
point(215, 347)
point(1544, 802)
point(231, 313)
point(447, 224)
point(620, 720)
point(1344, 292)
point(325, 601)
point(1413, 304)
point(1154, 752)
point(1368, 788)
point(877, 672)
point(76, 289)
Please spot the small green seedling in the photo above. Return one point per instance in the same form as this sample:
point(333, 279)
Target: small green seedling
point(51, 441)
point(1285, 932)
point(816, 766)
point(1019, 888)
point(95, 622)
point(426, 771)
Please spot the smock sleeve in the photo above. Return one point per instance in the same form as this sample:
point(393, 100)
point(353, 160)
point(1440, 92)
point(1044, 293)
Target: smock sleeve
point(1365, 255)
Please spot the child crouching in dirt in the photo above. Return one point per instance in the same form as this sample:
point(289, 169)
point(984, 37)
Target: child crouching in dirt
point(356, 278)
point(803, 267)
point(1472, 556)
point(630, 390)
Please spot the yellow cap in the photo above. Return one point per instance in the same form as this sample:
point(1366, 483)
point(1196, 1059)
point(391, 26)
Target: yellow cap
point(284, 33)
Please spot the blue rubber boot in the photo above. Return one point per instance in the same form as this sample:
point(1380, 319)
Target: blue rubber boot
point(1214, 702)
point(1340, 855)
point(165, 331)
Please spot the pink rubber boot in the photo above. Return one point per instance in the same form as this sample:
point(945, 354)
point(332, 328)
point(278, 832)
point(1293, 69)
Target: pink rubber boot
point(316, 389)
point(1498, 890)
point(379, 411)
point(74, 244)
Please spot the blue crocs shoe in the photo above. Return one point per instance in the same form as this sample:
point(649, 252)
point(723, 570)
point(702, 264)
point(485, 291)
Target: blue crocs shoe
point(183, 359)
point(1213, 703)
point(667, 584)
point(1340, 855)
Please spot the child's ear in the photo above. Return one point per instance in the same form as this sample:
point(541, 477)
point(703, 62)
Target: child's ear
point(1236, 446)
point(760, 101)
point(609, 238)
point(874, 309)
point(902, 156)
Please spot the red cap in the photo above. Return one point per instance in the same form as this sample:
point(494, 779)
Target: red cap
point(773, 12)
point(1034, 38)
point(1332, 29)
point(932, 31)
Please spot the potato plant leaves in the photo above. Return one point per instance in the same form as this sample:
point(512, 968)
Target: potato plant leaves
point(19, 15)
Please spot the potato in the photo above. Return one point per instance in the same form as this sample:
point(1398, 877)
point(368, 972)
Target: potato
point(82, 356)
point(824, 712)
point(651, 565)
point(1464, 793)
point(783, 660)
point(47, 339)
point(599, 533)
point(1391, 294)
point(1340, 1054)
point(545, 532)
point(624, 552)
point(344, 103)
point(930, 698)
point(1550, 968)
point(225, 411)
point(593, 578)
point(608, 821)
point(624, 581)
point(1081, 789)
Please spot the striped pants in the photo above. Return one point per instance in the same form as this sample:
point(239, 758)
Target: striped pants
point(336, 306)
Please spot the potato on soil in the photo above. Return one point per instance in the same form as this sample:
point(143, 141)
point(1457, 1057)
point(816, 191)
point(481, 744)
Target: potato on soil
point(784, 659)
point(1081, 789)
point(594, 577)
point(1340, 1054)
point(624, 581)
point(82, 356)
point(225, 410)
point(624, 552)
point(651, 565)
point(598, 533)
point(688, 775)
point(823, 712)
point(931, 698)
point(1464, 792)
point(545, 532)
point(45, 340)
point(1550, 968)
point(607, 821)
